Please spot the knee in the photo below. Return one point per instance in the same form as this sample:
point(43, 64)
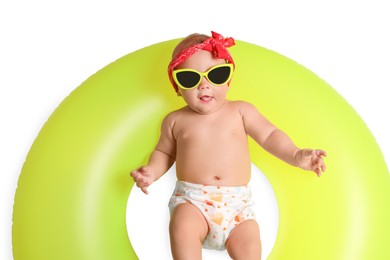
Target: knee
point(245, 249)
point(252, 246)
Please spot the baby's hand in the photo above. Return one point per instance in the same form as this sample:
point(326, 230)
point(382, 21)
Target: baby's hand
point(311, 160)
point(143, 177)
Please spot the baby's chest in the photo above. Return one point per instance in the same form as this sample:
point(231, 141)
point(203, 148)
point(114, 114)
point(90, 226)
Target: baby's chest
point(217, 131)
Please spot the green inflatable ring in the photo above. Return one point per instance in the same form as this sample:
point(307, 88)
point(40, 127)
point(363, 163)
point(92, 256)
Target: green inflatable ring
point(73, 189)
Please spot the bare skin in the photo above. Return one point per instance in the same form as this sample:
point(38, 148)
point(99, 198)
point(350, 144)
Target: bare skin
point(208, 141)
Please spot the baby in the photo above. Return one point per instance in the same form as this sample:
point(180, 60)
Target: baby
point(211, 204)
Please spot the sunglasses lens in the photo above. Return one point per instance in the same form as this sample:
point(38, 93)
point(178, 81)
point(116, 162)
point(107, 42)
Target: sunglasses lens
point(188, 79)
point(219, 75)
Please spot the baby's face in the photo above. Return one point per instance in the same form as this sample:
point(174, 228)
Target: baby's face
point(205, 98)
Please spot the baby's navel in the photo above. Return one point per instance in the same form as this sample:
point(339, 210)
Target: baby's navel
point(217, 178)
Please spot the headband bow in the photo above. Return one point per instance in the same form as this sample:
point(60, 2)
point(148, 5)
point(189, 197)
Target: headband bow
point(216, 44)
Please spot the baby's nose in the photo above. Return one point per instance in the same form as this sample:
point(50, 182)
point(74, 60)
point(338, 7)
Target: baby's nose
point(204, 83)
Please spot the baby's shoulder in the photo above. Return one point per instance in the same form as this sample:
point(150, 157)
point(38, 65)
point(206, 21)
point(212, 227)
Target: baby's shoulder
point(173, 116)
point(176, 113)
point(240, 103)
point(243, 107)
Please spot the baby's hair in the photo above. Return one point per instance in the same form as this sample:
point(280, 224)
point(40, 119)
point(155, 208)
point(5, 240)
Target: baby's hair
point(190, 40)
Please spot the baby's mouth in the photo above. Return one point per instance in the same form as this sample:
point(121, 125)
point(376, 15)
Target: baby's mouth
point(206, 98)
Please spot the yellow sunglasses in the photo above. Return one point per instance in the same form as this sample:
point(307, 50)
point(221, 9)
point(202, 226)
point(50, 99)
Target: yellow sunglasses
point(190, 78)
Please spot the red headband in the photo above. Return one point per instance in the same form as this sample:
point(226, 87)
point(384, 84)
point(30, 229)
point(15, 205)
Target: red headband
point(216, 44)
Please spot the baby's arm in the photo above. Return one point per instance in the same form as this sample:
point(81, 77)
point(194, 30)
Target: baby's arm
point(278, 143)
point(160, 160)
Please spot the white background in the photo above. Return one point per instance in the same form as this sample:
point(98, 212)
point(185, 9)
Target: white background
point(47, 48)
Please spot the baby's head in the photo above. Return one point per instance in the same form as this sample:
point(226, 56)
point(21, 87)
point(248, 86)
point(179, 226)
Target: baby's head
point(216, 44)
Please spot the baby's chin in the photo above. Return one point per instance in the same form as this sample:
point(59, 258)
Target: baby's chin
point(206, 108)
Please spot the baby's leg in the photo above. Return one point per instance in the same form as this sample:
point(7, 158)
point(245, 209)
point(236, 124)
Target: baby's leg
point(187, 229)
point(244, 241)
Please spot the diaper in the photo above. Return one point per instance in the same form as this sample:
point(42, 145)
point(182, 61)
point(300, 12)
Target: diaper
point(224, 208)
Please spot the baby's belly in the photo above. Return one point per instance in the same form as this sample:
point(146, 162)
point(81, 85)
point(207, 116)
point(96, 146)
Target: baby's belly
point(223, 169)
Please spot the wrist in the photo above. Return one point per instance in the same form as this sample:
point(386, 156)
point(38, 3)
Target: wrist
point(297, 157)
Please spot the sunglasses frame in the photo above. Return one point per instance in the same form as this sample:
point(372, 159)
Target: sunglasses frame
point(203, 74)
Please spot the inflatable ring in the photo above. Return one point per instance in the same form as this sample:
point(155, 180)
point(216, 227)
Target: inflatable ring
point(73, 189)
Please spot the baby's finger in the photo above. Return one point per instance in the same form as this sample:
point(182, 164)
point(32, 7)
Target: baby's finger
point(318, 172)
point(315, 167)
point(144, 169)
point(315, 162)
point(134, 173)
point(323, 166)
point(140, 180)
point(321, 153)
point(144, 190)
point(141, 185)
